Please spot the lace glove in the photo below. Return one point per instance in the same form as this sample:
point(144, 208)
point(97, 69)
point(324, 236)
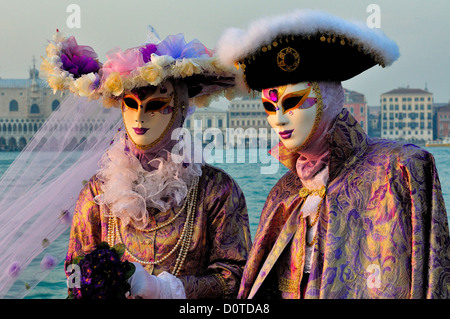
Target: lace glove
point(146, 286)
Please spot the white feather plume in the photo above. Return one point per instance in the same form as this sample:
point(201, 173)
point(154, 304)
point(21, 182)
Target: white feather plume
point(236, 43)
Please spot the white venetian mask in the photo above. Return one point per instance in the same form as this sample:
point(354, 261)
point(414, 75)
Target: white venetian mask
point(147, 115)
point(291, 111)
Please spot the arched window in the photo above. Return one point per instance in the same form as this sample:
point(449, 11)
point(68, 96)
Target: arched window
point(22, 143)
point(13, 106)
point(34, 109)
point(55, 105)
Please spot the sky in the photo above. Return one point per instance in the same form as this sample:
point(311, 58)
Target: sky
point(421, 30)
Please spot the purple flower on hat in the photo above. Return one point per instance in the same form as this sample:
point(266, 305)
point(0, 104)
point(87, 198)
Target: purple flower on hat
point(176, 47)
point(71, 48)
point(48, 262)
point(78, 59)
point(96, 83)
point(147, 51)
point(14, 269)
point(79, 65)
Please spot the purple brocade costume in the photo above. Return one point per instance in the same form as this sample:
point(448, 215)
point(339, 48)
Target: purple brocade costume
point(383, 218)
point(219, 247)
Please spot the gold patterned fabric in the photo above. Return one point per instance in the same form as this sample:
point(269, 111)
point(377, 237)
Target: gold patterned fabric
point(218, 250)
point(382, 231)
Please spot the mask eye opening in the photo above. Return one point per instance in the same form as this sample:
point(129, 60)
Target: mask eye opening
point(296, 100)
point(292, 102)
point(157, 105)
point(131, 102)
point(269, 107)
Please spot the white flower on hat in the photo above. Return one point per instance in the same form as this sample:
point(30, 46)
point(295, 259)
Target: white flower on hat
point(161, 60)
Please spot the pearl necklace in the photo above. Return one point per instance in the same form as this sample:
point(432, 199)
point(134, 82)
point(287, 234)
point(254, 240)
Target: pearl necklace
point(185, 238)
point(166, 223)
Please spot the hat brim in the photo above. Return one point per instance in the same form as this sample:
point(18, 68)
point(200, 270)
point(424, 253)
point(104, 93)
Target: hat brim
point(199, 85)
point(293, 59)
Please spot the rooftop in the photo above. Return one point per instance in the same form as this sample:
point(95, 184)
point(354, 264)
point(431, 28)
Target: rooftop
point(405, 91)
point(19, 83)
point(353, 96)
point(443, 108)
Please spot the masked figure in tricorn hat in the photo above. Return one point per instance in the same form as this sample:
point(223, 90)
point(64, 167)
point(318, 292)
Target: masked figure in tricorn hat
point(354, 217)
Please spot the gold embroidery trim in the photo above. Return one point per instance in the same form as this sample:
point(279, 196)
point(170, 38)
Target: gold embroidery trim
point(288, 285)
point(326, 36)
point(223, 284)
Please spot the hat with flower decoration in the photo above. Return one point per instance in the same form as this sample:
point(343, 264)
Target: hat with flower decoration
point(69, 66)
point(305, 45)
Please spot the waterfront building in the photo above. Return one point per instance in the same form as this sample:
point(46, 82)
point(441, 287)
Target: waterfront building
point(247, 121)
point(356, 104)
point(407, 115)
point(25, 104)
point(207, 118)
point(443, 121)
point(247, 113)
point(374, 121)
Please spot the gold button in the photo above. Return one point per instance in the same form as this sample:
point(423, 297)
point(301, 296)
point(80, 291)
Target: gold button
point(322, 191)
point(304, 192)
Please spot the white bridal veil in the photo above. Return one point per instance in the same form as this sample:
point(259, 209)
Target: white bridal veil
point(39, 190)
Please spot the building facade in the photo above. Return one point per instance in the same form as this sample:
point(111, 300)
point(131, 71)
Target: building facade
point(374, 121)
point(407, 115)
point(356, 104)
point(247, 113)
point(443, 121)
point(248, 123)
point(207, 118)
point(25, 104)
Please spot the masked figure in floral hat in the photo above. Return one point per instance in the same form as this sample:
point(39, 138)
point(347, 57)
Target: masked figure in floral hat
point(354, 217)
point(183, 224)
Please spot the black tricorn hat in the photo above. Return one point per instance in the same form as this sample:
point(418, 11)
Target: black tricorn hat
point(304, 46)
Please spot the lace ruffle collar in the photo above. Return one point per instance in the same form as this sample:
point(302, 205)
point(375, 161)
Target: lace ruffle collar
point(129, 190)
